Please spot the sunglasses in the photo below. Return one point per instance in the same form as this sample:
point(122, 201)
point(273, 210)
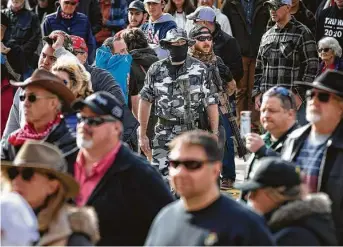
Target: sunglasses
point(284, 92)
point(275, 8)
point(26, 173)
point(321, 96)
point(94, 121)
point(70, 3)
point(33, 98)
point(204, 38)
point(191, 165)
point(320, 50)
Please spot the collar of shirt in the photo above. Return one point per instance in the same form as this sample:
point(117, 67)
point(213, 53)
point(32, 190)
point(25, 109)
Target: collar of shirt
point(99, 167)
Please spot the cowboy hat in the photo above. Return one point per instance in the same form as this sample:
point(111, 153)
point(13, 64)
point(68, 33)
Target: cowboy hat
point(45, 157)
point(330, 81)
point(51, 83)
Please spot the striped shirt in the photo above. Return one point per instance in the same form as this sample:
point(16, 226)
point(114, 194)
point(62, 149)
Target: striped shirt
point(286, 55)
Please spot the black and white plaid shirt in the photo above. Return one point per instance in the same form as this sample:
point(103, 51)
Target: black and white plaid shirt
point(286, 55)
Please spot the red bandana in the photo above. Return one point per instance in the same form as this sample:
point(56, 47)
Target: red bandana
point(66, 16)
point(29, 133)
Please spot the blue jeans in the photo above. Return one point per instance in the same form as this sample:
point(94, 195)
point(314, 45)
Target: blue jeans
point(229, 167)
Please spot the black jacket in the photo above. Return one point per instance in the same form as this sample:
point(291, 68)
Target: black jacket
point(127, 199)
point(142, 59)
point(60, 136)
point(91, 8)
point(22, 36)
point(249, 43)
point(330, 180)
point(306, 222)
point(102, 80)
point(227, 48)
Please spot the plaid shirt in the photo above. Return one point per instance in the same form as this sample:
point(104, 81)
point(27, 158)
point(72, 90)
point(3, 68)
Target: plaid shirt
point(286, 55)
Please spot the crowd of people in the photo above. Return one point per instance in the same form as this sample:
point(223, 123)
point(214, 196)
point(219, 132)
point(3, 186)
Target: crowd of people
point(120, 122)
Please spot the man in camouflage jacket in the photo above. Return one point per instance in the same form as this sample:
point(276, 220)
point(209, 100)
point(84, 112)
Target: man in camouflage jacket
point(180, 87)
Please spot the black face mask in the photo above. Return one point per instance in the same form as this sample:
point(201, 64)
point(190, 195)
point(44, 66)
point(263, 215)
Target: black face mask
point(178, 53)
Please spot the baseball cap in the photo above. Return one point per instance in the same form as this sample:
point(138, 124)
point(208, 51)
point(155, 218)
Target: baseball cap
point(101, 103)
point(203, 13)
point(137, 5)
point(278, 3)
point(272, 172)
point(79, 43)
point(152, 1)
point(198, 30)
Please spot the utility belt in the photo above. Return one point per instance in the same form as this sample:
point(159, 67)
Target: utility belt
point(179, 121)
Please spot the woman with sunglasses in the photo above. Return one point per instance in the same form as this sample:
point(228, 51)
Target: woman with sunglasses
point(76, 78)
point(179, 9)
point(66, 19)
point(330, 53)
point(38, 174)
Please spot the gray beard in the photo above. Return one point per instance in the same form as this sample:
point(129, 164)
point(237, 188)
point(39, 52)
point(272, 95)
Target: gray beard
point(83, 143)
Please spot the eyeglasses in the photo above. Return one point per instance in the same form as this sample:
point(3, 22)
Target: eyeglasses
point(321, 96)
point(191, 165)
point(320, 50)
point(70, 3)
point(204, 38)
point(94, 121)
point(26, 173)
point(274, 7)
point(33, 98)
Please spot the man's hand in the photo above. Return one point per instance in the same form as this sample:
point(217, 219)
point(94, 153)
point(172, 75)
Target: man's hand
point(144, 144)
point(258, 102)
point(4, 49)
point(254, 142)
point(231, 87)
point(58, 38)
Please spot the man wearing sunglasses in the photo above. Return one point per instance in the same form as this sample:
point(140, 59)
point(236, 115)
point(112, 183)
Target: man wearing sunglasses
point(222, 78)
point(44, 98)
point(124, 189)
point(202, 216)
point(66, 19)
point(288, 52)
point(318, 147)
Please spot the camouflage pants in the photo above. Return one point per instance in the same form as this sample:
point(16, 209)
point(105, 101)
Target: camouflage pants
point(160, 150)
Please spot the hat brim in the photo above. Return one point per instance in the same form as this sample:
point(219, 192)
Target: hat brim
point(72, 187)
point(320, 86)
point(164, 42)
point(58, 89)
point(248, 185)
point(138, 9)
point(152, 1)
point(79, 104)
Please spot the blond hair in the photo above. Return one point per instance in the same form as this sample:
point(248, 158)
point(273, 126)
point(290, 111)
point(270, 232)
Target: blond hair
point(80, 80)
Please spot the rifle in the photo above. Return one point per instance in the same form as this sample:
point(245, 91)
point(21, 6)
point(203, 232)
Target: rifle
point(225, 107)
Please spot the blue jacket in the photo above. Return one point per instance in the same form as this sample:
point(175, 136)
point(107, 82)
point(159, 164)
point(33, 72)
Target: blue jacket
point(118, 65)
point(157, 30)
point(78, 25)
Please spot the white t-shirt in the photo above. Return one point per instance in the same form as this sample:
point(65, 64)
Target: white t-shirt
point(180, 19)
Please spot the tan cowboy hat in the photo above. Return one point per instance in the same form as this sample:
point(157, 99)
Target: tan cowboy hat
point(45, 157)
point(51, 83)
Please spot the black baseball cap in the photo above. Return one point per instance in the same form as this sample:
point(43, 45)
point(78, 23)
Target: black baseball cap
point(137, 5)
point(101, 103)
point(272, 172)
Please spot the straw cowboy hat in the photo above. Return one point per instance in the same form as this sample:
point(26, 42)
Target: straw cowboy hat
point(47, 158)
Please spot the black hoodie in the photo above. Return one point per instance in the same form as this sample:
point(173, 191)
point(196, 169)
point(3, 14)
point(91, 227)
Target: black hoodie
point(304, 222)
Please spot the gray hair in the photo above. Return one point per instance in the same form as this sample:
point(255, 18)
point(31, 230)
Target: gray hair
point(329, 42)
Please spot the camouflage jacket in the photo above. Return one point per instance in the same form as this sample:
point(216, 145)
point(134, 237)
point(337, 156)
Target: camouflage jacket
point(165, 86)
